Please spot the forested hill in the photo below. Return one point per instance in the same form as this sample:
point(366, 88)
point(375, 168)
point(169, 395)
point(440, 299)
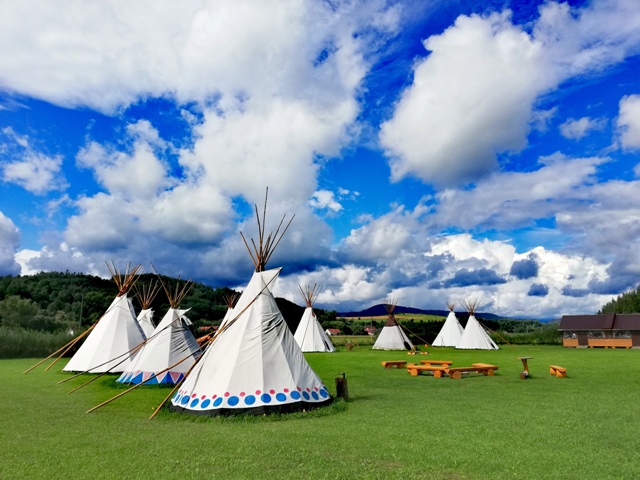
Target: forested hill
point(54, 301)
point(628, 302)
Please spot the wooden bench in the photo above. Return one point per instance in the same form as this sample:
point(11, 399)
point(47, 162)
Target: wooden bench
point(436, 362)
point(415, 370)
point(559, 372)
point(484, 368)
point(395, 363)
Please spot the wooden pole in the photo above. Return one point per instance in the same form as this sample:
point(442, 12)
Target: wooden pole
point(70, 347)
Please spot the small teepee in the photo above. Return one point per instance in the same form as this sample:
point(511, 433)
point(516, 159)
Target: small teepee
point(146, 294)
point(171, 349)
point(253, 365)
point(451, 331)
point(309, 334)
point(392, 337)
point(474, 337)
point(111, 343)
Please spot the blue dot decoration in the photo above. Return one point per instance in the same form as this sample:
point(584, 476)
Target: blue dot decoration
point(249, 400)
point(176, 398)
point(194, 402)
point(185, 400)
point(315, 396)
point(295, 395)
point(205, 403)
point(281, 397)
point(233, 401)
point(266, 398)
point(305, 395)
point(217, 402)
point(324, 393)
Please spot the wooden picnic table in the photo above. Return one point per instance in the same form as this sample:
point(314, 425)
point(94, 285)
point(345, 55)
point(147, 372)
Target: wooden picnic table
point(436, 362)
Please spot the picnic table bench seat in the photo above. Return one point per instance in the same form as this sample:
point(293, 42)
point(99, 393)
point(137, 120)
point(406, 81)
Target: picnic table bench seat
point(484, 368)
point(559, 372)
point(393, 363)
point(415, 370)
point(436, 362)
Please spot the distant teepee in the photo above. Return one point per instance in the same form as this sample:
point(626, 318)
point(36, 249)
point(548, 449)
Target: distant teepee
point(451, 331)
point(309, 334)
point(111, 343)
point(253, 365)
point(146, 294)
point(171, 349)
point(231, 300)
point(392, 337)
point(474, 337)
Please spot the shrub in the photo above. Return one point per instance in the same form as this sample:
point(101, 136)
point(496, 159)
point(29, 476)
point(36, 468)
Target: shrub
point(23, 343)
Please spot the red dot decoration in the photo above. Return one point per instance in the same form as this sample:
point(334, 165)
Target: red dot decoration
point(242, 394)
point(286, 390)
point(272, 391)
point(226, 394)
point(258, 392)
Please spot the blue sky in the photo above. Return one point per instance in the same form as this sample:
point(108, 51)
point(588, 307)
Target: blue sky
point(431, 151)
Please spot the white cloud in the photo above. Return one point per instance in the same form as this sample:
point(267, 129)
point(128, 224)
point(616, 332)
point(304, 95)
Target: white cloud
point(34, 171)
point(629, 122)
point(322, 199)
point(472, 97)
point(576, 129)
point(9, 242)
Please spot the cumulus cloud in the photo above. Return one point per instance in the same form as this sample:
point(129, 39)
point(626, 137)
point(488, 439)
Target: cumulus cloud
point(9, 243)
point(629, 122)
point(538, 290)
point(523, 269)
point(576, 129)
point(325, 199)
point(34, 171)
point(472, 97)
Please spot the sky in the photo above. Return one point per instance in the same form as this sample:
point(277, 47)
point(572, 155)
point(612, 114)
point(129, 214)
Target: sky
point(431, 151)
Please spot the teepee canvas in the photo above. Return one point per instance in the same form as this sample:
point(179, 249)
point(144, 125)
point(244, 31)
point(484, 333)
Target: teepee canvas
point(253, 364)
point(392, 337)
point(171, 349)
point(146, 294)
point(451, 331)
point(474, 337)
point(309, 335)
point(109, 346)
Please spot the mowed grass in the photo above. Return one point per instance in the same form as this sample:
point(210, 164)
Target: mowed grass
point(395, 426)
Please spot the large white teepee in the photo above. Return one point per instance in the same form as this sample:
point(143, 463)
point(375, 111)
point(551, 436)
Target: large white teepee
point(309, 335)
point(170, 351)
point(392, 337)
point(145, 295)
point(474, 337)
point(253, 364)
point(451, 331)
point(109, 346)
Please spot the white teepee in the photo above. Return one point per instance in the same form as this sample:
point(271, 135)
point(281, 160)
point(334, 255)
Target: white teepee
point(170, 351)
point(392, 337)
point(145, 295)
point(253, 364)
point(109, 346)
point(309, 335)
point(474, 337)
point(451, 331)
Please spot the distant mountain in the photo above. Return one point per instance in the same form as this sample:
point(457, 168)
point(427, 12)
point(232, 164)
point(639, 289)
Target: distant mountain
point(379, 310)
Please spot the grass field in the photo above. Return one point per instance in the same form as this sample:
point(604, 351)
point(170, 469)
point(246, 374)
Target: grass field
point(395, 426)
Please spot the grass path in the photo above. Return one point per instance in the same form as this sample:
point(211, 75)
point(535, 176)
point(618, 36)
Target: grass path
point(396, 426)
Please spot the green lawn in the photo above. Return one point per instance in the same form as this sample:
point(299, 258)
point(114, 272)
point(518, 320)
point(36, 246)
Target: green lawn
point(395, 426)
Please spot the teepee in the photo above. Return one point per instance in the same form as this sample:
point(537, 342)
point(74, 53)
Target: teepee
point(116, 335)
point(309, 335)
point(145, 295)
point(253, 364)
point(451, 331)
point(392, 337)
point(474, 337)
point(171, 349)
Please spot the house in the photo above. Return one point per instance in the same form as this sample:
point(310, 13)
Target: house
point(371, 330)
point(333, 331)
point(610, 330)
